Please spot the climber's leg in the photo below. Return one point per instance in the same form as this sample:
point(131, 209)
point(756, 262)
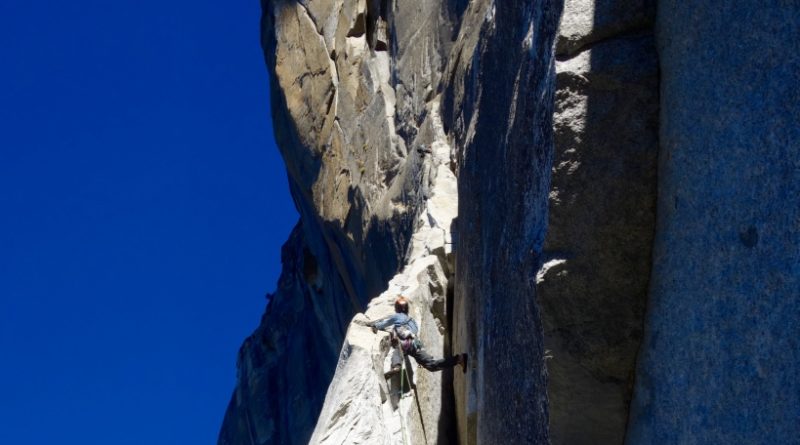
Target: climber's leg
point(397, 358)
point(396, 363)
point(431, 364)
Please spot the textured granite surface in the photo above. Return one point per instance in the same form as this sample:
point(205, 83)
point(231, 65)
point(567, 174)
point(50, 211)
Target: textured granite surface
point(720, 361)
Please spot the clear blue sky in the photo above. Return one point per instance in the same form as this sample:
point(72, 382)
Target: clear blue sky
point(143, 208)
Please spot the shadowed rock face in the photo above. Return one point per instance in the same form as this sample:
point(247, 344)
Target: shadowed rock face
point(719, 362)
point(498, 110)
point(268, 388)
point(596, 263)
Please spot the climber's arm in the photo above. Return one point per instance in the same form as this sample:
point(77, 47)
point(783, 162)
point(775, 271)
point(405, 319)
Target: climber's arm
point(385, 322)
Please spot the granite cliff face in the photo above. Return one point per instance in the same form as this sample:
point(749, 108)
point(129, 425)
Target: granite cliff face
point(596, 200)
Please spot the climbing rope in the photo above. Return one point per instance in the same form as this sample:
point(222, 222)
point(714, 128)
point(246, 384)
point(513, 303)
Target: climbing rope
point(400, 399)
point(405, 377)
point(413, 387)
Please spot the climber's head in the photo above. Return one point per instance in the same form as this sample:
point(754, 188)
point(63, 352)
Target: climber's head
point(401, 305)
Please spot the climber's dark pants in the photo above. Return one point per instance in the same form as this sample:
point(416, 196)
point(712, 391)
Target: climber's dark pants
point(428, 362)
point(431, 364)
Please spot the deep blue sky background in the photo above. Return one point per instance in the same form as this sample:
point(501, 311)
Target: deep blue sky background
point(143, 208)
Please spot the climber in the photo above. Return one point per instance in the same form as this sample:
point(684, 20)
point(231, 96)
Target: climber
point(404, 335)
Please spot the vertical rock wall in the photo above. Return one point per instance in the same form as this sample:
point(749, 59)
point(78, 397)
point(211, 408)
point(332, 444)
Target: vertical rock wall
point(596, 262)
point(719, 363)
point(498, 112)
